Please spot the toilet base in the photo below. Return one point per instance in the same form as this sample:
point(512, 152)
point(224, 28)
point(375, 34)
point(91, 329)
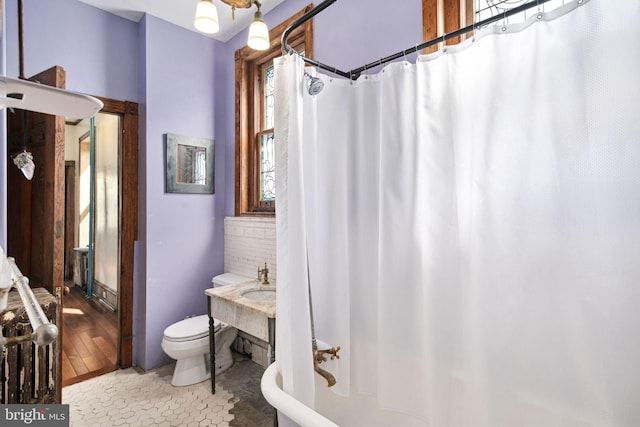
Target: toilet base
point(192, 357)
point(191, 370)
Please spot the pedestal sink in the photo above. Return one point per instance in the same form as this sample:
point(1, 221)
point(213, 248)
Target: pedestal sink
point(249, 307)
point(246, 306)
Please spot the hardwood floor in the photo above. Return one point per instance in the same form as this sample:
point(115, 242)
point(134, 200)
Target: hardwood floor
point(89, 346)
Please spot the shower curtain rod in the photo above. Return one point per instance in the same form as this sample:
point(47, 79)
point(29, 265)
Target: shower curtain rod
point(355, 73)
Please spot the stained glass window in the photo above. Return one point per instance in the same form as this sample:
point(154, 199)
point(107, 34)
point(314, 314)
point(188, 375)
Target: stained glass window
point(267, 146)
point(267, 168)
point(268, 97)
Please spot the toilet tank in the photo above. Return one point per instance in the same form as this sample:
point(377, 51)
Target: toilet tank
point(229, 279)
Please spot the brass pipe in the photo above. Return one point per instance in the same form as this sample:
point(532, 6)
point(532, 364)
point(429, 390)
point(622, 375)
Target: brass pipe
point(331, 381)
point(320, 356)
point(10, 341)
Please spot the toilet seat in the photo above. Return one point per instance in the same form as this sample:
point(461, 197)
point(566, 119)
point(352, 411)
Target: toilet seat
point(190, 329)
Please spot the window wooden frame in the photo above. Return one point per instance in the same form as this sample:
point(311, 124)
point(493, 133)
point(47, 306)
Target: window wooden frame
point(444, 16)
point(248, 117)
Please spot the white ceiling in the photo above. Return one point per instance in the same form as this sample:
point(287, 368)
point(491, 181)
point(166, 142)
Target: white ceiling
point(182, 12)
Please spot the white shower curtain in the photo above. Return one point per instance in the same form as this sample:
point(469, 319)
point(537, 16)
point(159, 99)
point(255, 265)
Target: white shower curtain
point(473, 226)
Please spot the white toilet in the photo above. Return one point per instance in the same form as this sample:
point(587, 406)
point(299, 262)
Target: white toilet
point(187, 341)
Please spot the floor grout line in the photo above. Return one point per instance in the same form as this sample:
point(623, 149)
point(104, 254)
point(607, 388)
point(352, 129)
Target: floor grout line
point(130, 397)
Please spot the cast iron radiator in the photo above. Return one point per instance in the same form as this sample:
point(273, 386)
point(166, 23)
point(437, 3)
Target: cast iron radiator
point(28, 372)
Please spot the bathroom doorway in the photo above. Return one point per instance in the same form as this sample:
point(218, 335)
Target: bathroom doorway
point(102, 200)
point(97, 202)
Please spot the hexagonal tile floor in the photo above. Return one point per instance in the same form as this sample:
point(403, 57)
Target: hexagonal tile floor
point(129, 397)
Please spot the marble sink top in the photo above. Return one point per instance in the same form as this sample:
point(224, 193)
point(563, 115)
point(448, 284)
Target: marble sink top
point(236, 295)
point(242, 306)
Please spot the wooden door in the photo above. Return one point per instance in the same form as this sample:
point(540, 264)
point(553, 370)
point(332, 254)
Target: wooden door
point(35, 218)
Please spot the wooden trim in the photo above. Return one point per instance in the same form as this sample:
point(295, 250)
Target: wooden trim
point(254, 126)
point(452, 19)
point(247, 69)
point(430, 22)
point(468, 14)
point(308, 35)
point(69, 216)
point(242, 136)
point(129, 231)
point(51, 191)
point(444, 16)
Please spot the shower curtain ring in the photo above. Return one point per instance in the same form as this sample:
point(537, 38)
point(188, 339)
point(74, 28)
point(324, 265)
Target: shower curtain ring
point(539, 15)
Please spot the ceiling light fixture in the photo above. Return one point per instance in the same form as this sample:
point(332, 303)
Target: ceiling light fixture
point(207, 17)
point(206, 21)
point(258, 32)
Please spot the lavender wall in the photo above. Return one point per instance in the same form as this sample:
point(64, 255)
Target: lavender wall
point(183, 233)
point(97, 49)
point(347, 35)
point(140, 262)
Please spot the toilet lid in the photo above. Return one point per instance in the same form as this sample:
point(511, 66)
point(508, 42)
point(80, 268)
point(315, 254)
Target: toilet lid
point(191, 328)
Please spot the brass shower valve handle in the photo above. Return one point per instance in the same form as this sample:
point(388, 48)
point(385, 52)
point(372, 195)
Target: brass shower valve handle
point(334, 352)
point(321, 355)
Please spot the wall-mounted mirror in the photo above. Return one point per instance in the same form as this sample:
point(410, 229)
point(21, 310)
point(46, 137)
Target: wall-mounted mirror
point(189, 164)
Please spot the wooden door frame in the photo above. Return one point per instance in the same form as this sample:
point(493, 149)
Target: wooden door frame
point(69, 217)
point(128, 221)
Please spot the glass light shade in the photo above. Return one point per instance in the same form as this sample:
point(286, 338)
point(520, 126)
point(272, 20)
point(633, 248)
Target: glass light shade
point(24, 162)
point(258, 34)
point(206, 17)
